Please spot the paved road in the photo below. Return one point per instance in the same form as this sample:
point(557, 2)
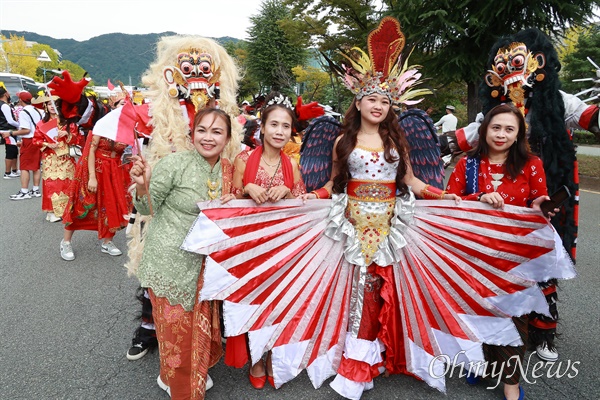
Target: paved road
point(65, 326)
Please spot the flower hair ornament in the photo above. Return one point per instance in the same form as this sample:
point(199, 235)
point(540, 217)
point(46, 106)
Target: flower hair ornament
point(381, 70)
point(281, 100)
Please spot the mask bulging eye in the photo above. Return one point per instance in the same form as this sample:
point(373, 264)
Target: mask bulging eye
point(205, 67)
point(518, 62)
point(186, 67)
point(501, 68)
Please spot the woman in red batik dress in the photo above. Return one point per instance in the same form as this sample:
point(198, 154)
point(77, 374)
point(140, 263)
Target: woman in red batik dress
point(266, 174)
point(58, 166)
point(98, 196)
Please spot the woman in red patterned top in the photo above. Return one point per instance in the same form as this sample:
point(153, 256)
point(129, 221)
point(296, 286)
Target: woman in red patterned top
point(501, 170)
point(265, 173)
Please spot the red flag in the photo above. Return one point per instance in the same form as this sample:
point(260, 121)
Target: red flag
point(118, 124)
point(48, 129)
point(110, 85)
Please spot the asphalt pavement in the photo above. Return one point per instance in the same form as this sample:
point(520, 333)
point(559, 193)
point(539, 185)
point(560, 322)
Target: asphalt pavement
point(65, 326)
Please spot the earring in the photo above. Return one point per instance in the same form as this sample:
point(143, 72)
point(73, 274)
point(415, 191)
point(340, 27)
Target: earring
point(358, 109)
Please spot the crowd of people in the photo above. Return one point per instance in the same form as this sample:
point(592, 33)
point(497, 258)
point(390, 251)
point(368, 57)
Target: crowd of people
point(358, 298)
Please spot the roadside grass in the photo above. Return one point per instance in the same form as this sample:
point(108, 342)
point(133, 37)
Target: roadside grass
point(589, 165)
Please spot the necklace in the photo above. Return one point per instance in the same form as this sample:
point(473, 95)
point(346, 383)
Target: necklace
point(499, 162)
point(370, 134)
point(274, 173)
point(496, 178)
point(271, 165)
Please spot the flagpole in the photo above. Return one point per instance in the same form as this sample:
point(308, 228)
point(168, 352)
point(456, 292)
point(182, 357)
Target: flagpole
point(136, 146)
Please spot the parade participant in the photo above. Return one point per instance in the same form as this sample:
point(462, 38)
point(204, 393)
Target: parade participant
point(9, 123)
point(188, 330)
point(189, 74)
point(98, 196)
point(499, 171)
point(97, 199)
point(30, 158)
point(58, 165)
point(266, 174)
point(371, 281)
point(524, 69)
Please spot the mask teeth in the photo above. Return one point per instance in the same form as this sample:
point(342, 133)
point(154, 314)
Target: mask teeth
point(198, 85)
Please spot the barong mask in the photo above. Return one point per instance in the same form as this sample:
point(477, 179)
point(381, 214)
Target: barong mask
point(195, 78)
point(514, 73)
point(381, 70)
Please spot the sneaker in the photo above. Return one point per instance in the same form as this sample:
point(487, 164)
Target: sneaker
point(137, 351)
point(9, 176)
point(144, 340)
point(110, 248)
point(35, 193)
point(66, 251)
point(16, 173)
point(163, 386)
point(20, 196)
point(545, 353)
point(51, 217)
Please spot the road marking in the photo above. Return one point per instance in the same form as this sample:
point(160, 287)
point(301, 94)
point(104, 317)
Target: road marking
point(589, 191)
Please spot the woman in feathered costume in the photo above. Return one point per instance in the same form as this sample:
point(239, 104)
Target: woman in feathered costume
point(372, 280)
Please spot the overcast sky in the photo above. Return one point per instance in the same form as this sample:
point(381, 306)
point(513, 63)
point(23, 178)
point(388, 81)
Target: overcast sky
point(83, 19)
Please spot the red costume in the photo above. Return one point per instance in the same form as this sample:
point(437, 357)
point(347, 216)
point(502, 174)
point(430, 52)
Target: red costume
point(107, 210)
point(57, 166)
point(530, 184)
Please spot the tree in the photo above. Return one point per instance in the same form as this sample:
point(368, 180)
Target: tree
point(568, 44)
point(312, 83)
point(576, 65)
point(459, 35)
point(453, 38)
point(19, 57)
point(248, 85)
point(271, 53)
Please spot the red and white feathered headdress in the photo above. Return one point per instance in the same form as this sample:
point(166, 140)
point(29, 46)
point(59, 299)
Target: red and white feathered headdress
point(381, 70)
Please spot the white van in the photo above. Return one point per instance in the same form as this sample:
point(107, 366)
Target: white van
point(16, 83)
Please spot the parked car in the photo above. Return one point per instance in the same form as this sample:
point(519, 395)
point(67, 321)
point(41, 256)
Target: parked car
point(15, 83)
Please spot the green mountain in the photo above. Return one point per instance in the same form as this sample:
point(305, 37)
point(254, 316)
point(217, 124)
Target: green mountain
point(114, 56)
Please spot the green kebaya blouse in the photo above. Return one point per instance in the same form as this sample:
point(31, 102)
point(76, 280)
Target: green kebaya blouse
point(178, 182)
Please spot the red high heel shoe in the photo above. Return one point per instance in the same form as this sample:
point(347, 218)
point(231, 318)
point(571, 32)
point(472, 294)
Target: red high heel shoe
point(271, 380)
point(258, 382)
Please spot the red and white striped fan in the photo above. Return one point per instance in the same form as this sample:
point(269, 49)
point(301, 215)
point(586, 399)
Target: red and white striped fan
point(459, 274)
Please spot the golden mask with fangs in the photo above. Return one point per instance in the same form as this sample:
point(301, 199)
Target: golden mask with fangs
point(514, 72)
point(194, 78)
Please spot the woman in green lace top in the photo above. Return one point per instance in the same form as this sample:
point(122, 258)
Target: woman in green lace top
point(174, 276)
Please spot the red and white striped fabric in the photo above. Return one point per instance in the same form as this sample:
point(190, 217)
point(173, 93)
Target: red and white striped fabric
point(460, 273)
point(49, 129)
